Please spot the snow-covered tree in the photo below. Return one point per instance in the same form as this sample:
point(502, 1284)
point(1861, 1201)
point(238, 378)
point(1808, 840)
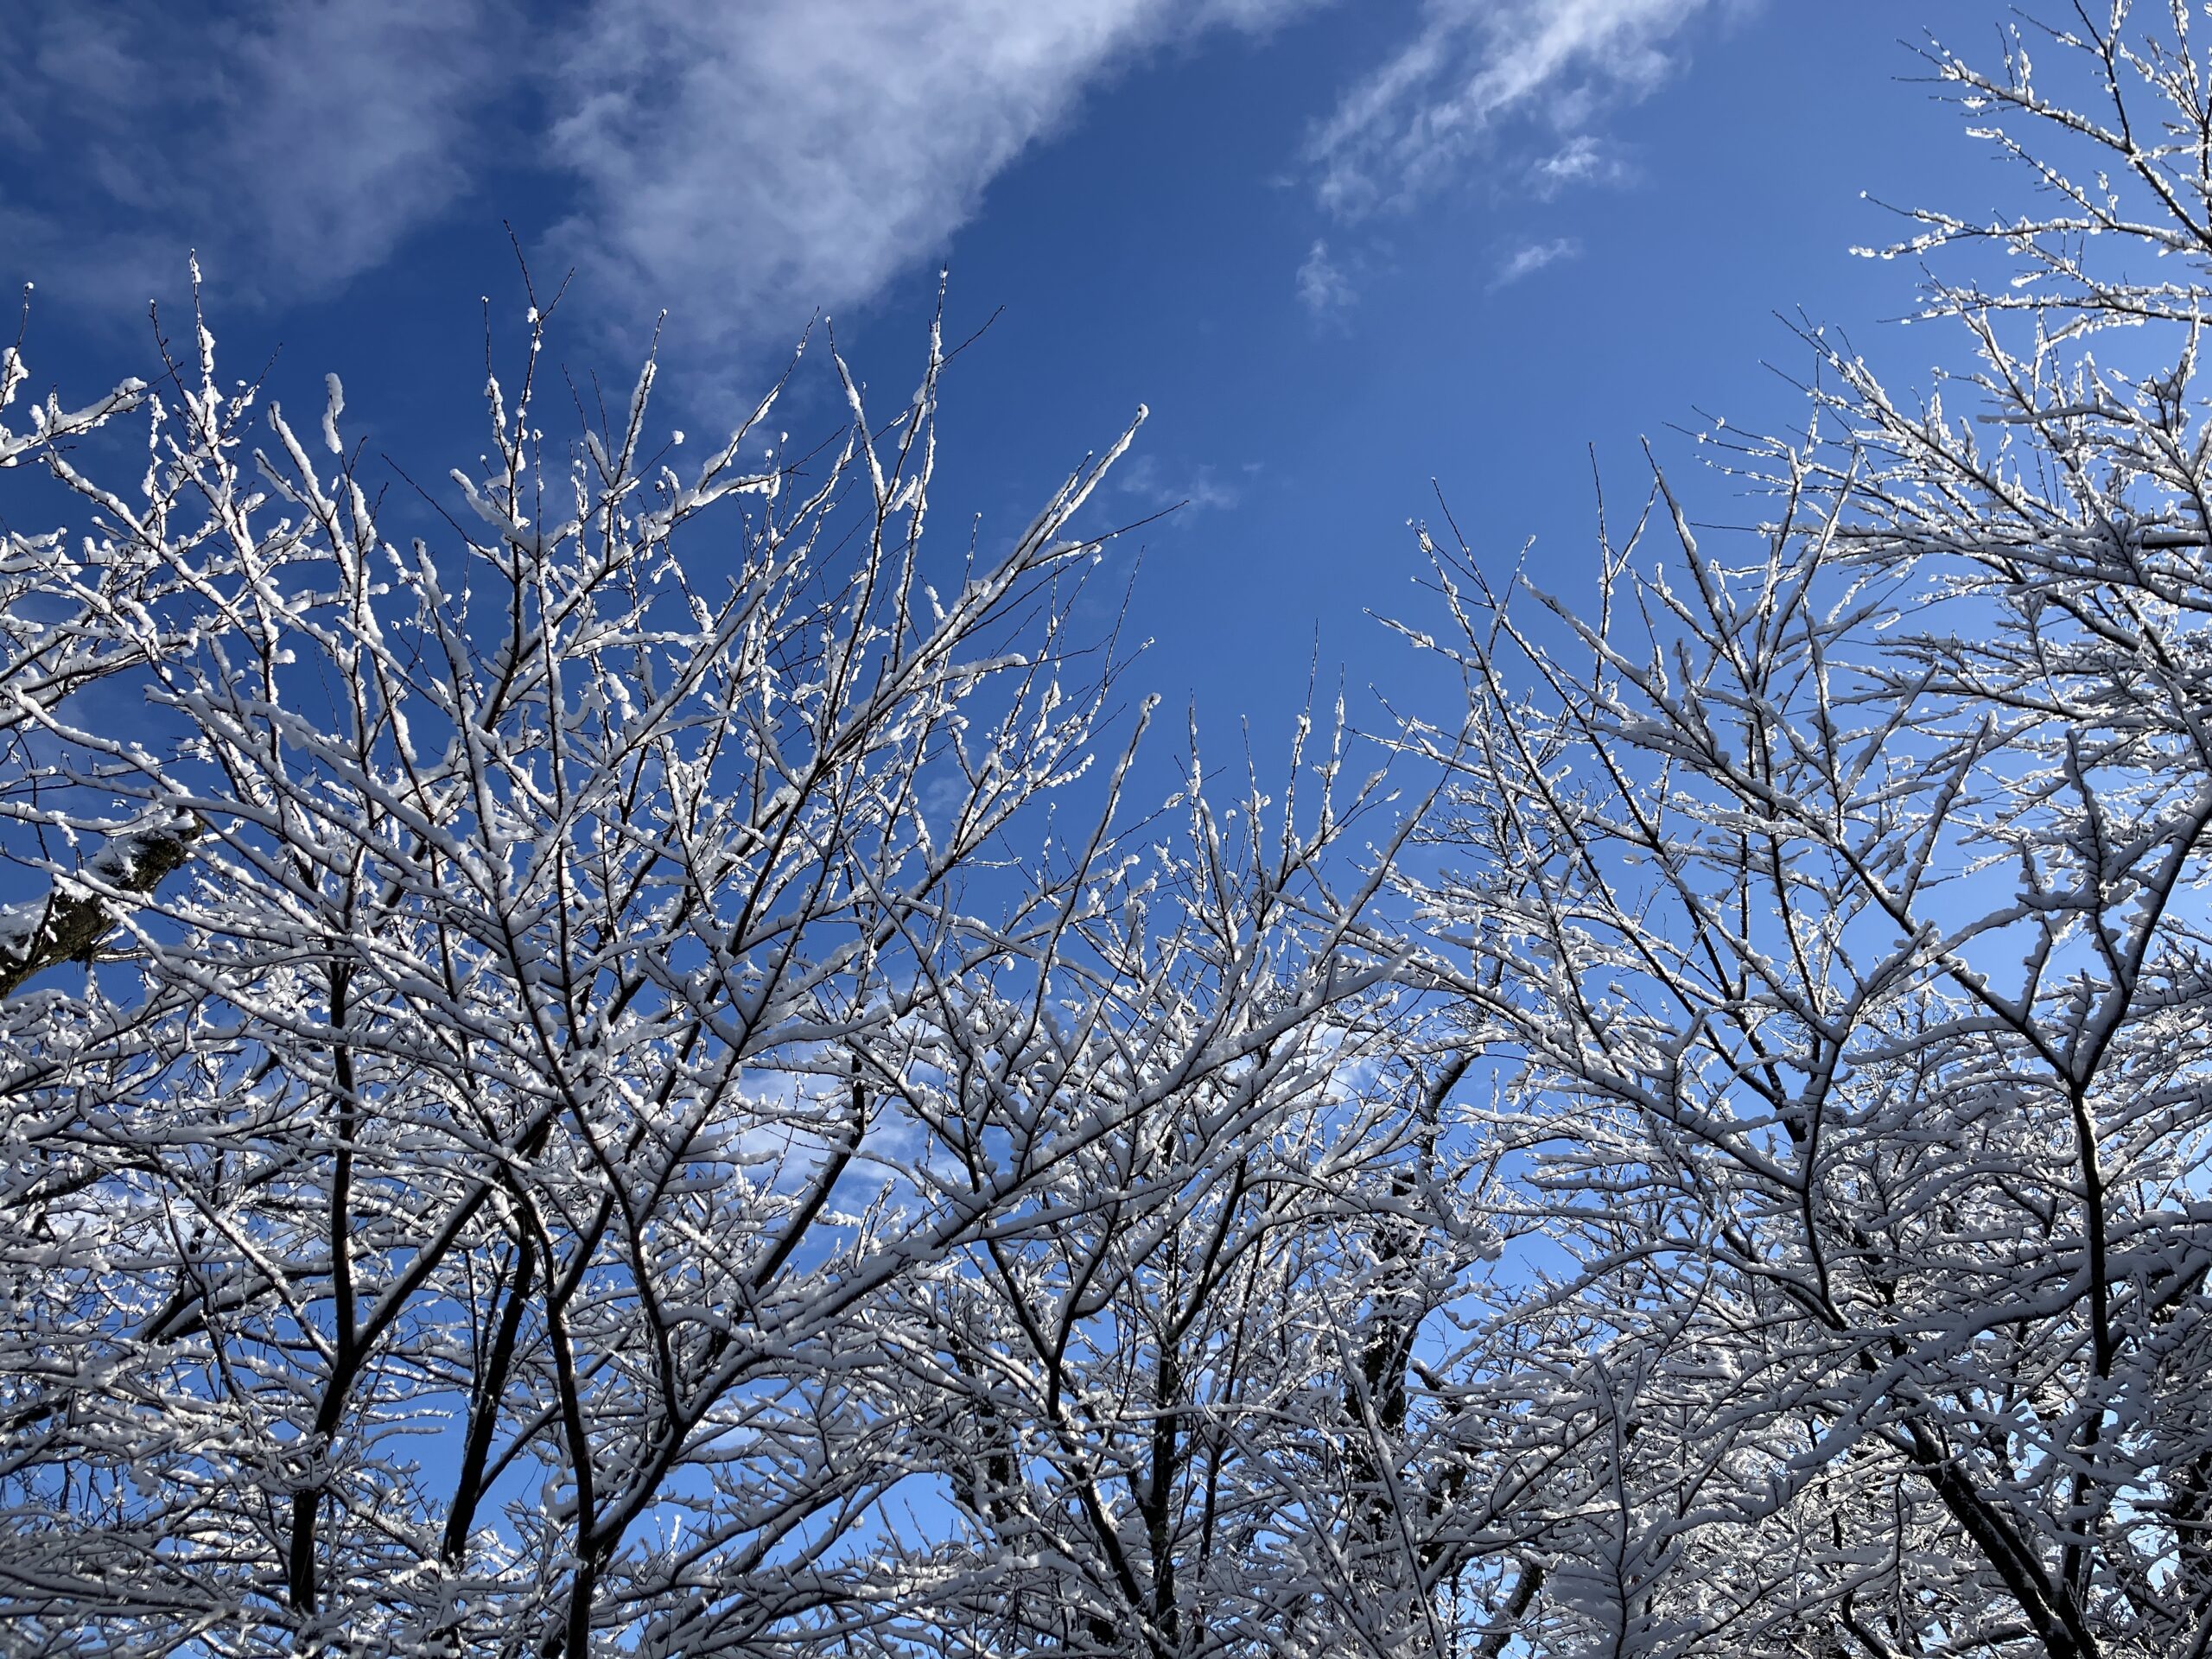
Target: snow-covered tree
point(562, 1001)
point(1163, 1443)
point(620, 1075)
point(1835, 902)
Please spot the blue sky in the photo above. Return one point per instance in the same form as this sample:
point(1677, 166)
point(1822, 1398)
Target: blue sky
point(1338, 248)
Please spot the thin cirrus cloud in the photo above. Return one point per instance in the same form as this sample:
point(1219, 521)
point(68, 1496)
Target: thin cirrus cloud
point(743, 162)
point(793, 153)
point(1193, 491)
point(1479, 72)
point(1531, 258)
point(1323, 287)
point(298, 143)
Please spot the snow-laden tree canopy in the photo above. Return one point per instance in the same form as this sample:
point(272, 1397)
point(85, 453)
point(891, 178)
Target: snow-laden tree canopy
point(626, 1075)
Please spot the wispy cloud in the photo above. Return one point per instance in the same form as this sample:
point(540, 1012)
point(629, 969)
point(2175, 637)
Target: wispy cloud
point(742, 161)
point(1195, 491)
point(1531, 258)
point(296, 144)
point(1583, 159)
point(785, 153)
point(1323, 288)
point(1475, 68)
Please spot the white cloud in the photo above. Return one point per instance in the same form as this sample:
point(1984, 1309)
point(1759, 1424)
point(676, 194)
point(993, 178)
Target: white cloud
point(360, 124)
point(1144, 478)
point(1583, 159)
point(1531, 258)
point(1474, 67)
point(1322, 286)
point(741, 160)
point(764, 159)
point(293, 143)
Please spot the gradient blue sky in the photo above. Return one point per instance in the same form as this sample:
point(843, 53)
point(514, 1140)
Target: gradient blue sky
point(1339, 249)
